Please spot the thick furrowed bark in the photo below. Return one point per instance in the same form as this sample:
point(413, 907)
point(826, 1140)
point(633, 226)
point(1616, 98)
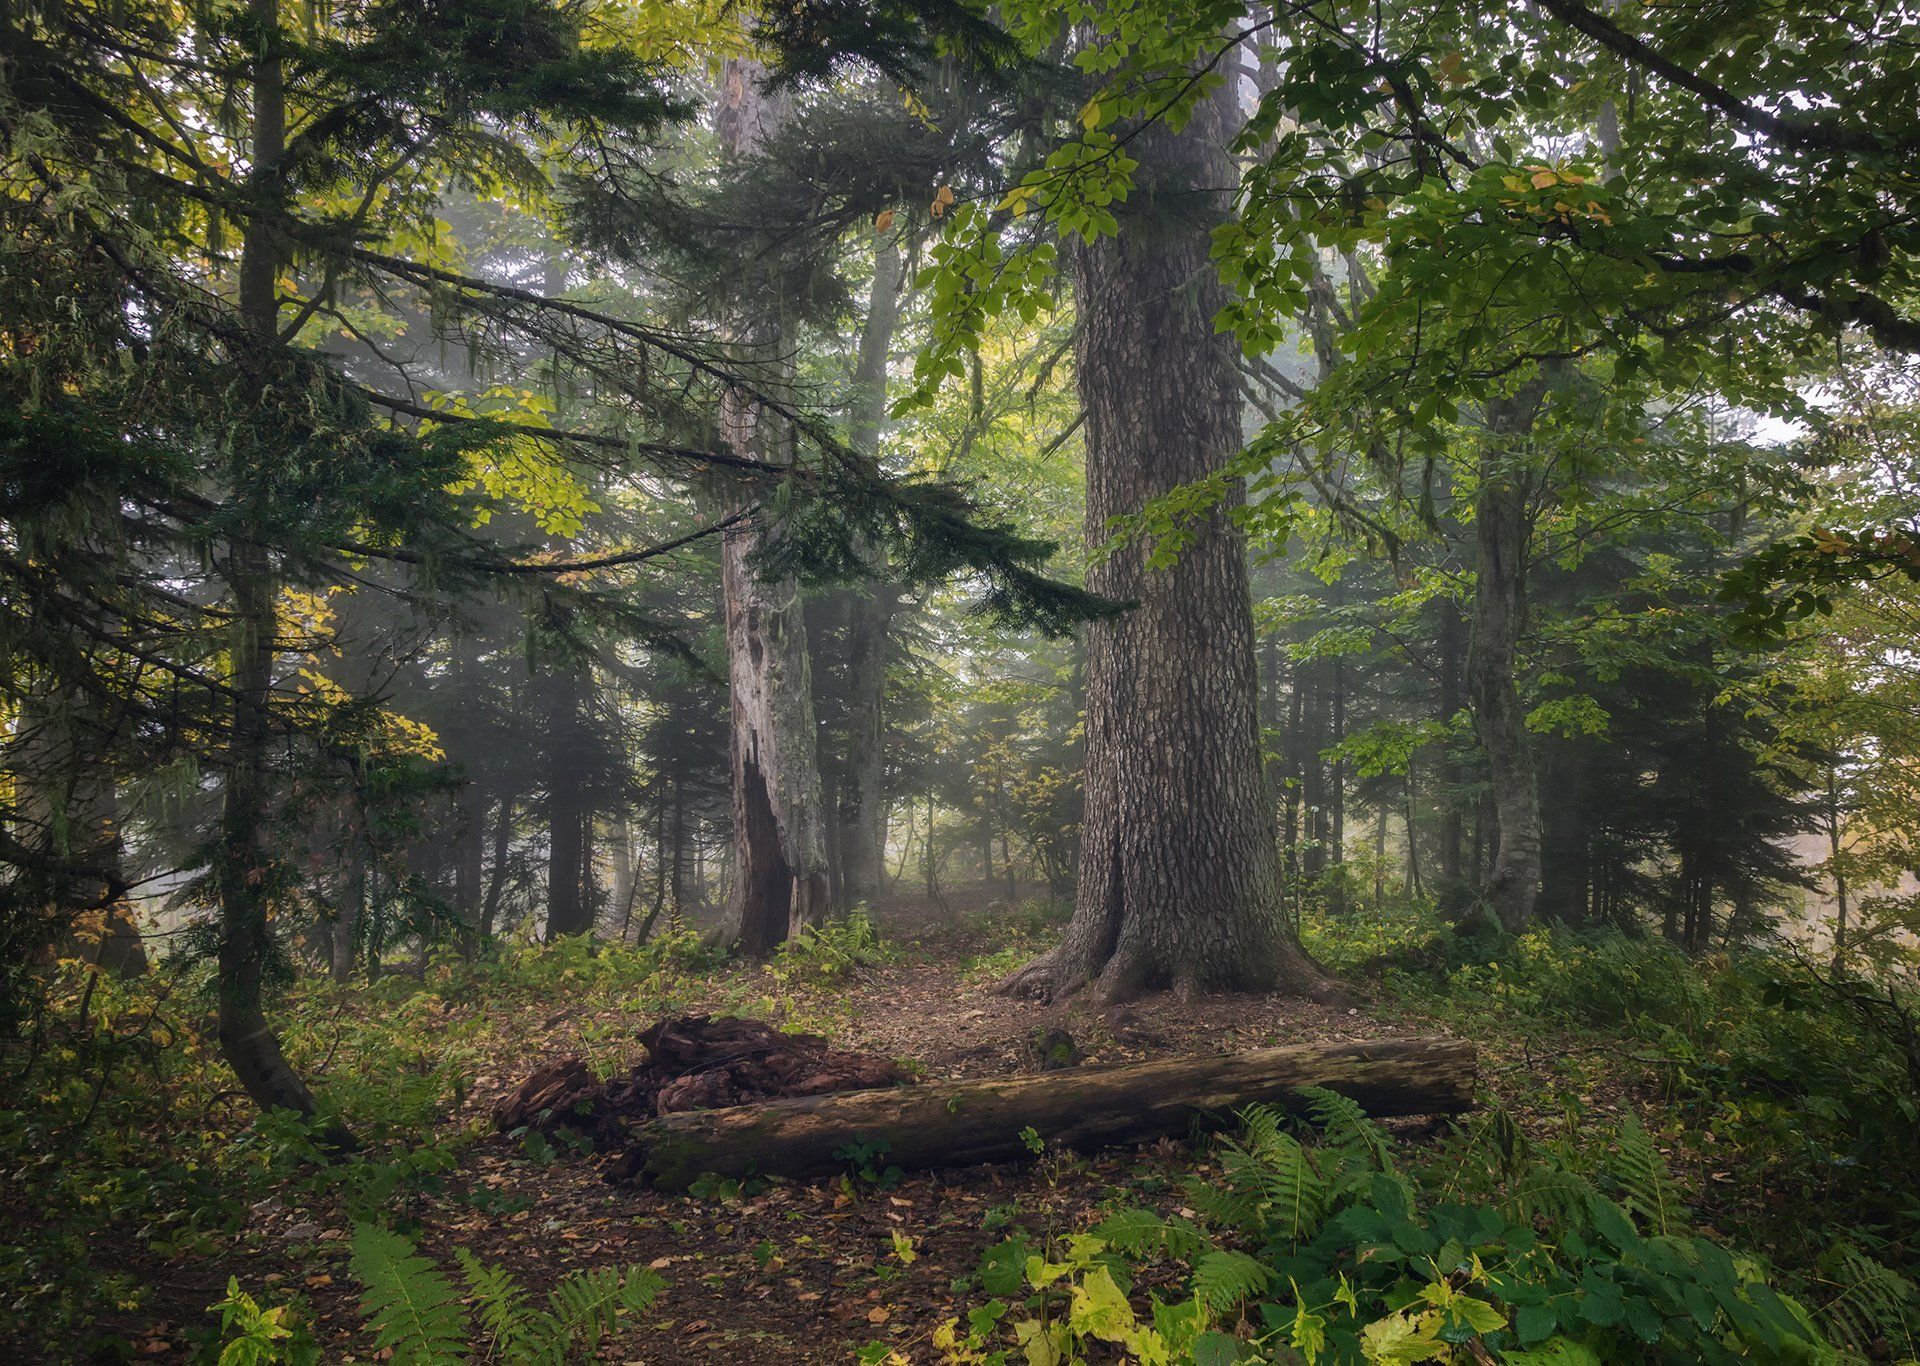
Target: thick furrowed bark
point(953, 1124)
point(1179, 881)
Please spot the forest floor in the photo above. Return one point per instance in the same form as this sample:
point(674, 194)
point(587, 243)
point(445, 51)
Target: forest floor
point(778, 1272)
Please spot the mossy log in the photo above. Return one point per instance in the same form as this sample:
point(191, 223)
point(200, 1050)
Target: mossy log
point(956, 1124)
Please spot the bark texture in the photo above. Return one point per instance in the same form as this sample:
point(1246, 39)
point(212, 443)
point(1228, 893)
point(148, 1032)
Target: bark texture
point(1502, 531)
point(1179, 877)
point(780, 875)
point(956, 1124)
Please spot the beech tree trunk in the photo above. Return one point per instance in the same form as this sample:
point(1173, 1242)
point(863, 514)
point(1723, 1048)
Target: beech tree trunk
point(1502, 531)
point(955, 1124)
point(1179, 879)
point(780, 876)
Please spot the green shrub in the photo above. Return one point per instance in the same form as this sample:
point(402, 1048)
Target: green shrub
point(1759, 1062)
point(254, 1336)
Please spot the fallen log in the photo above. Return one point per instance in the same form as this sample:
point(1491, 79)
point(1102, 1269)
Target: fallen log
point(956, 1124)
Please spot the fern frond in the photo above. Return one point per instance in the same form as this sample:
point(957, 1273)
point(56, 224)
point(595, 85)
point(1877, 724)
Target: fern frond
point(1281, 1177)
point(1142, 1233)
point(1647, 1188)
point(1558, 1195)
point(1223, 1208)
point(1498, 1144)
point(414, 1309)
point(1344, 1127)
point(511, 1329)
point(1224, 1280)
point(1874, 1302)
point(1261, 1125)
point(587, 1304)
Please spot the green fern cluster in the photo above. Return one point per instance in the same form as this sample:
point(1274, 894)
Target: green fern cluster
point(1309, 1243)
point(1647, 1188)
point(832, 952)
point(420, 1314)
point(1874, 1310)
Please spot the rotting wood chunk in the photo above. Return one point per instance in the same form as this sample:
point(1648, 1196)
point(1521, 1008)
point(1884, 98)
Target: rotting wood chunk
point(694, 1062)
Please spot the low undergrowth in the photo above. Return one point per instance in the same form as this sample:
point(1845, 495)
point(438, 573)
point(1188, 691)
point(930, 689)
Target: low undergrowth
point(1695, 1157)
point(1340, 1248)
point(1785, 1097)
point(125, 1148)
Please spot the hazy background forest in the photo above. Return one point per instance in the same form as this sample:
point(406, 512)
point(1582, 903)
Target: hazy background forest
point(567, 566)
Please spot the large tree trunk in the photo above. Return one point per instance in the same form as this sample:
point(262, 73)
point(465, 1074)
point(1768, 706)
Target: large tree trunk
point(780, 878)
point(870, 608)
point(1502, 531)
point(954, 1124)
point(247, 1041)
point(1179, 880)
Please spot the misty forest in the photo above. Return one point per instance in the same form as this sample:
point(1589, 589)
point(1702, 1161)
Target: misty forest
point(785, 681)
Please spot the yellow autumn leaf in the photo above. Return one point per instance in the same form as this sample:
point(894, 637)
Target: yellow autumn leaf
point(1091, 115)
point(1543, 178)
point(942, 200)
point(1017, 199)
point(917, 107)
point(883, 220)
